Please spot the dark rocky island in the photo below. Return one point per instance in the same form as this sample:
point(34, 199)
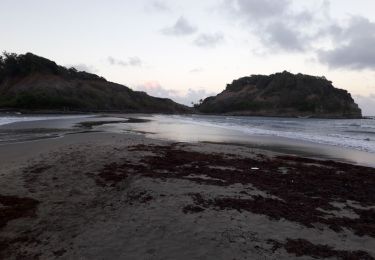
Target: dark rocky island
point(282, 94)
point(30, 82)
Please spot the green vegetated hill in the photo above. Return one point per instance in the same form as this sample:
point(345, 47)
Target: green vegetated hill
point(282, 94)
point(31, 82)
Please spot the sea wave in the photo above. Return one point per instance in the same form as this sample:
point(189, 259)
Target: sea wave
point(330, 132)
point(5, 120)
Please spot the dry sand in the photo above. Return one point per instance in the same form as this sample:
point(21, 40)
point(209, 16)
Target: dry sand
point(123, 196)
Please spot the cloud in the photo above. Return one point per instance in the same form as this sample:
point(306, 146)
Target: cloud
point(278, 24)
point(182, 27)
point(134, 61)
point(282, 25)
point(83, 67)
point(256, 10)
point(114, 61)
point(207, 40)
point(196, 70)
point(157, 6)
point(131, 61)
point(153, 88)
point(281, 36)
point(366, 103)
point(354, 46)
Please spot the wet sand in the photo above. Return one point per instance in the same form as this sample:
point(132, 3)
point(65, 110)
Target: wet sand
point(125, 196)
point(166, 128)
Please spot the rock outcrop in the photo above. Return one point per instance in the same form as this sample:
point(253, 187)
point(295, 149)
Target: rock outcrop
point(282, 94)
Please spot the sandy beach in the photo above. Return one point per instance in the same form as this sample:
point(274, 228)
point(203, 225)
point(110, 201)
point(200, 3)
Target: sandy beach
point(124, 196)
point(187, 130)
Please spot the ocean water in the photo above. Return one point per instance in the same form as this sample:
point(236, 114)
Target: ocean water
point(351, 140)
point(20, 128)
point(9, 119)
point(357, 134)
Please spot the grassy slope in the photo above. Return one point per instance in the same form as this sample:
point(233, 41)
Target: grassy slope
point(32, 82)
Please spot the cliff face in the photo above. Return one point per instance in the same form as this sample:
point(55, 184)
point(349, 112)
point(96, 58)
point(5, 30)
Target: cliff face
point(32, 82)
point(282, 94)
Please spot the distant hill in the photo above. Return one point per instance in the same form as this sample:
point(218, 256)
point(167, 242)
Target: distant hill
point(282, 94)
point(35, 83)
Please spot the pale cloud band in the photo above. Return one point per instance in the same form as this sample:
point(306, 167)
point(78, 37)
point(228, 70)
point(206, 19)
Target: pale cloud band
point(188, 97)
point(182, 27)
point(131, 61)
point(208, 40)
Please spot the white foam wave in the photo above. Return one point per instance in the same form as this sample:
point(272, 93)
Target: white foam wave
point(4, 120)
point(321, 131)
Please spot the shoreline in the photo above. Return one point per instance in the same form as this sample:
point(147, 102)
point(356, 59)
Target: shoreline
point(111, 113)
point(151, 128)
point(192, 132)
point(299, 154)
point(107, 195)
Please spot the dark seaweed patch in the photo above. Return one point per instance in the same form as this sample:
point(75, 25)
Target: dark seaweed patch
point(308, 186)
point(302, 247)
point(15, 207)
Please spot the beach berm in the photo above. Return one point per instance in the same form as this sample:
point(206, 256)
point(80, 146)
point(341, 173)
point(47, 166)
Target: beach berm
point(125, 196)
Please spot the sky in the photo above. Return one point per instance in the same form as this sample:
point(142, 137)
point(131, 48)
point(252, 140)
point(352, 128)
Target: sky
point(188, 50)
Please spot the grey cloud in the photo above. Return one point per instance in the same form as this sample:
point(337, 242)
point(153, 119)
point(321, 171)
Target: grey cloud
point(135, 61)
point(157, 6)
point(304, 17)
point(83, 67)
point(192, 95)
point(131, 61)
point(359, 54)
point(255, 9)
point(111, 60)
point(114, 61)
point(280, 26)
point(284, 37)
point(358, 27)
point(209, 40)
point(180, 28)
point(277, 23)
point(355, 46)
